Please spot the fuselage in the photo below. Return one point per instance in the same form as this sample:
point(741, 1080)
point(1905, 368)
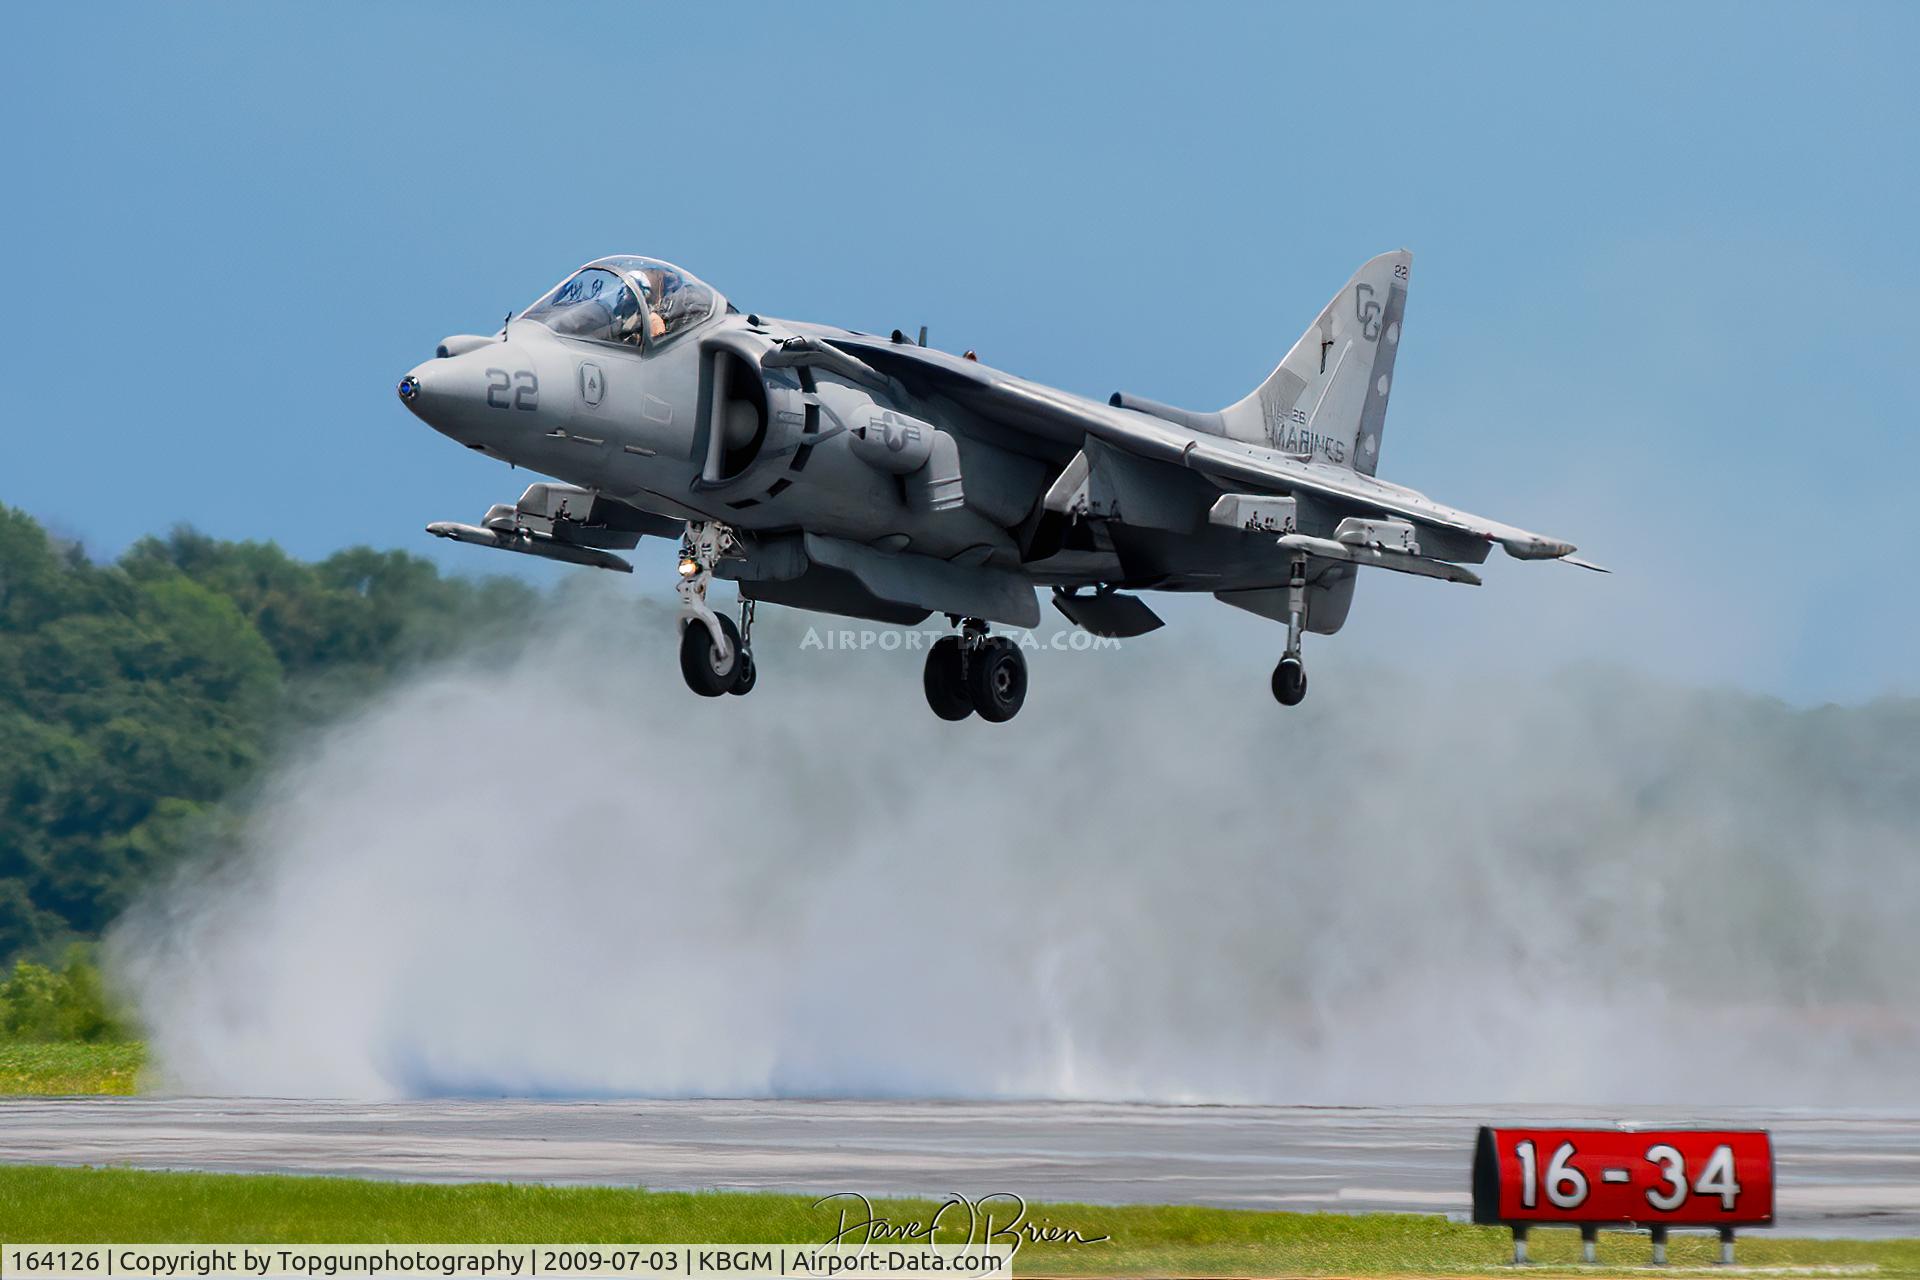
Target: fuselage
point(712, 419)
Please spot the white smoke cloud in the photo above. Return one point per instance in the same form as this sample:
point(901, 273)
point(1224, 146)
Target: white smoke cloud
point(558, 872)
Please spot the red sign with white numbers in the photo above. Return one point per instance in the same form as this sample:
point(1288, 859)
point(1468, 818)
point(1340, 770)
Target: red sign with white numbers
point(1670, 1177)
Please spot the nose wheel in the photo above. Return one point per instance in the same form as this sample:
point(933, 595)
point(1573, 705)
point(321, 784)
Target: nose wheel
point(715, 667)
point(716, 656)
point(1290, 677)
point(975, 672)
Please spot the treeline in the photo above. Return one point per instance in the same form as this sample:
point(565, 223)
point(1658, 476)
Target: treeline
point(136, 696)
point(69, 1002)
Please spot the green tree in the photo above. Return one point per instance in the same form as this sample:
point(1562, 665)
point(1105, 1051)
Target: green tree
point(38, 1003)
point(137, 698)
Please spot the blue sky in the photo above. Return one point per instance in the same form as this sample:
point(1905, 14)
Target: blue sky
point(1662, 299)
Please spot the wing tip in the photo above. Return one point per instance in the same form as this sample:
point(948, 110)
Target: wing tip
point(1534, 547)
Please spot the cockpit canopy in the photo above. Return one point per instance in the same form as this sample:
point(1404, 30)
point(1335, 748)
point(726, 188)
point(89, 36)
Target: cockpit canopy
point(639, 302)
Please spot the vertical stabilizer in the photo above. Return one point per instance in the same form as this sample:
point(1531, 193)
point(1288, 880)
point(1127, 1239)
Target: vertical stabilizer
point(1328, 399)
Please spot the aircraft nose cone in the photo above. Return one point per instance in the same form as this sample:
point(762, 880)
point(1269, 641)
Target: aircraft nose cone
point(412, 390)
point(457, 396)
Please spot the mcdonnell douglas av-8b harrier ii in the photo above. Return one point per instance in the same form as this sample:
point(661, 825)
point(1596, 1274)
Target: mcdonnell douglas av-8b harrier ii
point(878, 478)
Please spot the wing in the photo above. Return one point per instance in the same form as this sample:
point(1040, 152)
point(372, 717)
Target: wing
point(1065, 421)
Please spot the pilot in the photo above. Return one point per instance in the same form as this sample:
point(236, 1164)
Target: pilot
point(626, 322)
point(663, 288)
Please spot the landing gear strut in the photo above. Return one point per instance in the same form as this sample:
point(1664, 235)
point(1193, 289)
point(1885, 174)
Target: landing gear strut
point(974, 671)
point(716, 656)
point(1290, 677)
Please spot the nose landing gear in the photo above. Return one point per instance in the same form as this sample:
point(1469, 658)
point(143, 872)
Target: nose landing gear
point(1290, 676)
point(974, 671)
point(716, 656)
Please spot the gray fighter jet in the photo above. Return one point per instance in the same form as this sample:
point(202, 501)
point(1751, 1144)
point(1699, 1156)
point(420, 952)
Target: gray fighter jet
point(878, 478)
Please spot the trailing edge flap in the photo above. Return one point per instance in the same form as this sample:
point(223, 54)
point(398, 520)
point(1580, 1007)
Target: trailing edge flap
point(971, 591)
point(1105, 483)
point(1130, 489)
point(1071, 421)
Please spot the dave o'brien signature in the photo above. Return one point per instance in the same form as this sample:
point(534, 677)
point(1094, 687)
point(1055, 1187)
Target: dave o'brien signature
point(1000, 1218)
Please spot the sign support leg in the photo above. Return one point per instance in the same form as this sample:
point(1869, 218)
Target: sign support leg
point(1589, 1237)
point(1659, 1246)
point(1519, 1246)
point(1726, 1246)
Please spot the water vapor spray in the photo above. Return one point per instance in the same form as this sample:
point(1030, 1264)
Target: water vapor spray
point(558, 873)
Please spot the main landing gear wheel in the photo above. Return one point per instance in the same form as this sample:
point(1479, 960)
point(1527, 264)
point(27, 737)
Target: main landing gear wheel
point(997, 679)
point(708, 672)
point(1290, 682)
point(945, 680)
point(975, 672)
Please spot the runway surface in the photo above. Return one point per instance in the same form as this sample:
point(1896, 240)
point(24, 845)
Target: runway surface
point(1852, 1173)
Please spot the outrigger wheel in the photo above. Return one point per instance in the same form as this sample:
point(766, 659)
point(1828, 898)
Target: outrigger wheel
point(1290, 681)
point(708, 673)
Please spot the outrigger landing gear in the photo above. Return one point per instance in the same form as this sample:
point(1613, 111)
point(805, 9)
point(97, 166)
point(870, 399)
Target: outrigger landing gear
point(974, 671)
point(716, 656)
point(1290, 676)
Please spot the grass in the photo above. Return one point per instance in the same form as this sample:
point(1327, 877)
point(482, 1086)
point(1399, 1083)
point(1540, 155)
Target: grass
point(46, 1069)
point(78, 1206)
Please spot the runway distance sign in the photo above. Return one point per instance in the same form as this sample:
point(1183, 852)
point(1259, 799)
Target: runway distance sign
point(1643, 1177)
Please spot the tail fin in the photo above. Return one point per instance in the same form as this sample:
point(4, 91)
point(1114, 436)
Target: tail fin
point(1328, 398)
